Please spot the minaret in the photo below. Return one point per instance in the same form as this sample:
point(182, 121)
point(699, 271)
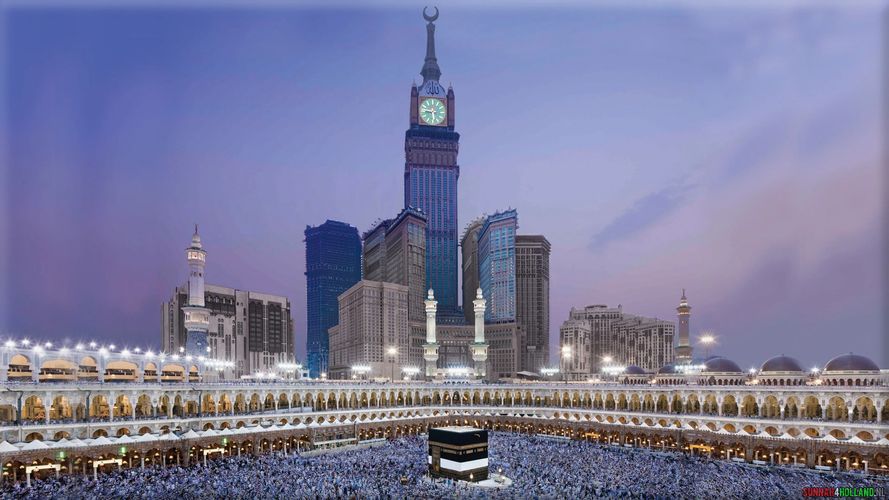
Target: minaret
point(197, 317)
point(683, 349)
point(479, 348)
point(430, 348)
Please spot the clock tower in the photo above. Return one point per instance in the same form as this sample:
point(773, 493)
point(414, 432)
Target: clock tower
point(431, 172)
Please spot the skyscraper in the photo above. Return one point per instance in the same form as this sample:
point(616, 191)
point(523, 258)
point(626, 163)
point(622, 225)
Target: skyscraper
point(333, 265)
point(395, 252)
point(431, 173)
point(469, 252)
point(374, 253)
point(406, 257)
point(496, 265)
point(532, 299)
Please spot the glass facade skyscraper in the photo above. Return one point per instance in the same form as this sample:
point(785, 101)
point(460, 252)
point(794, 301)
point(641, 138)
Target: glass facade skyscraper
point(497, 265)
point(333, 265)
point(434, 190)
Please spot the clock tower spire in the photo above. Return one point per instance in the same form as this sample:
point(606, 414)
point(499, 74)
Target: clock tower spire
point(430, 69)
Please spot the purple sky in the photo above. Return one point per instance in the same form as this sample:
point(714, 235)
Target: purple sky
point(736, 153)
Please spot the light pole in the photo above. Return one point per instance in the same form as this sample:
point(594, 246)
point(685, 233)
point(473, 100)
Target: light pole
point(392, 352)
point(604, 371)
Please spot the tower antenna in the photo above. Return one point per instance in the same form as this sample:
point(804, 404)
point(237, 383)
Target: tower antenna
point(430, 69)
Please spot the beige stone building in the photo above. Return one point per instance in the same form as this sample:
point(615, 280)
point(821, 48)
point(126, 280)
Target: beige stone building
point(372, 338)
point(595, 334)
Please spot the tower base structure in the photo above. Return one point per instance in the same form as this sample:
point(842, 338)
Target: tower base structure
point(196, 343)
point(480, 357)
point(430, 354)
point(683, 354)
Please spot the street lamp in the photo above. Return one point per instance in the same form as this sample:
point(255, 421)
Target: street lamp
point(566, 357)
point(549, 372)
point(392, 351)
point(410, 371)
point(707, 339)
point(359, 370)
point(606, 359)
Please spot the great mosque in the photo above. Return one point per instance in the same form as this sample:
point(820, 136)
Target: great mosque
point(85, 410)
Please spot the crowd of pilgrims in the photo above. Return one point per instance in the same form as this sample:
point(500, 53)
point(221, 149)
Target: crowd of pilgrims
point(539, 467)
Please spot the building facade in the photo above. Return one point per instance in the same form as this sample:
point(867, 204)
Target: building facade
point(431, 173)
point(455, 347)
point(496, 265)
point(333, 265)
point(395, 252)
point(252, 330)
point(513, 272)
point(575, 339)
point(248, 331)
point(532, 300)
point(373, 332)
point(598, 335)
point(162, 412)
point(373, 253)
point(406, 257)
point(469, 258)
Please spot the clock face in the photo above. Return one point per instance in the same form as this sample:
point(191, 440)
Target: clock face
point(432, 111)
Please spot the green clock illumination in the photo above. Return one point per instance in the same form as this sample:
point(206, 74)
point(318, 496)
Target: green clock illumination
point(432, 111)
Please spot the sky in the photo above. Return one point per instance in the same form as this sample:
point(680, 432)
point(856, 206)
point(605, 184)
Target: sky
point(735, 152)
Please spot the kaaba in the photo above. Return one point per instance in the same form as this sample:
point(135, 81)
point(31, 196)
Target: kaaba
point(458, 453)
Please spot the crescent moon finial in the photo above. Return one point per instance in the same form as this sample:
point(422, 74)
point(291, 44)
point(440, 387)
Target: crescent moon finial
point(429, 18)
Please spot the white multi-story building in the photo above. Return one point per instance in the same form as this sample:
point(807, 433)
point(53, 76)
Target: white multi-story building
point(251, 330)
point(598, 335)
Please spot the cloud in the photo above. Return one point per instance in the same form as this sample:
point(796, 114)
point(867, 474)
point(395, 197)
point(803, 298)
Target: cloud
point(645, 212)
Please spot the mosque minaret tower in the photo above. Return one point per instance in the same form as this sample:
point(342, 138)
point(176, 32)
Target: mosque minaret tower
point(479, 348)
point(430, 348)
point(683, 349)
point(197, 317)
